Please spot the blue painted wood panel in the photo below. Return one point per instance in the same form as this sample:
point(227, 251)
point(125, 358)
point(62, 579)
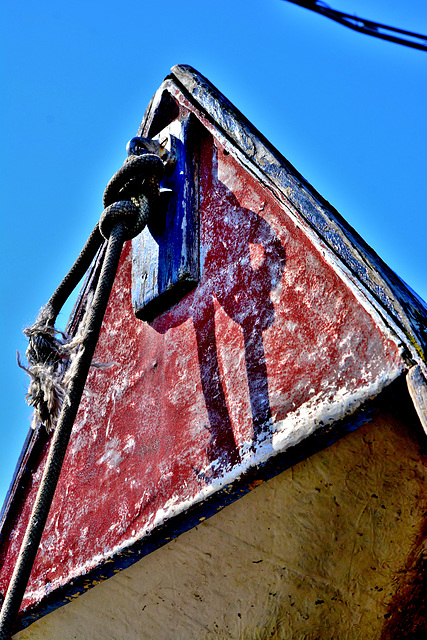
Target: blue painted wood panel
point(166, 254)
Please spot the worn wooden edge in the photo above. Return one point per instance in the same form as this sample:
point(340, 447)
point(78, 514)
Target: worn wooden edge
point(190, 518)
point(31, 454)
point(389, 292)
point(166, 299)
point(417, 386)
point(22, 462)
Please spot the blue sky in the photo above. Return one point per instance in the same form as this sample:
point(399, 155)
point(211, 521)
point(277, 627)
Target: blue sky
point(347, 110)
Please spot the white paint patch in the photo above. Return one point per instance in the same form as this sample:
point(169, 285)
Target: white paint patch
point(321, 411)
point(112, 453)
point(130, 445)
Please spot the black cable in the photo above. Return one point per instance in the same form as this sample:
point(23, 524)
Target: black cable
point(362, 25)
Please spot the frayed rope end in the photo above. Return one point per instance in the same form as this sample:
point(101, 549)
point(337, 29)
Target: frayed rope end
point(51, 365)
point(48, 359)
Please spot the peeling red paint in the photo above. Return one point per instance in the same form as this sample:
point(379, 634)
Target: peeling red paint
point(271, 343)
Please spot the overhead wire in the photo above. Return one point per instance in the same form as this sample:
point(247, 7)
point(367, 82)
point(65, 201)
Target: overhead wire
point(368, 27)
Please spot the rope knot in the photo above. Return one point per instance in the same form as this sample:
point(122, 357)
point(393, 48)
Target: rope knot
point(139, 175)
point(131, 216)
point(130, 195)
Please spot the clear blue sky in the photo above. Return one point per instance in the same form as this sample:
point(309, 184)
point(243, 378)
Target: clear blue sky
point(347, 110)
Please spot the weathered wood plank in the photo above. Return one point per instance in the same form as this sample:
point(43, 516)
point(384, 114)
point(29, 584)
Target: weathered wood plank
point(166, 253)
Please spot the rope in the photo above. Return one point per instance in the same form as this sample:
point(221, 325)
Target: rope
point(49, 351)
point(120, 221)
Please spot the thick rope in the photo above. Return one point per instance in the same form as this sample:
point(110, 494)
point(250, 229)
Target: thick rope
point(49, 351)
point(75, 274)
point(119, 222)
point(60, 439)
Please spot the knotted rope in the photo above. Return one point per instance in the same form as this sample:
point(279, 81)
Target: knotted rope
point(128, 197)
